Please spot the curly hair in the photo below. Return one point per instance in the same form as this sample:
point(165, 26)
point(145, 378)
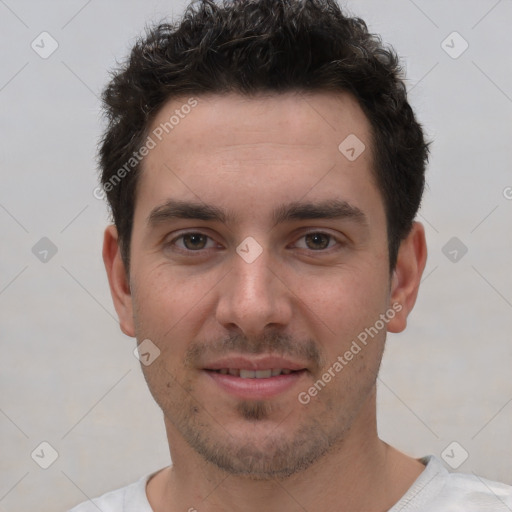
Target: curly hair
point(270, 46)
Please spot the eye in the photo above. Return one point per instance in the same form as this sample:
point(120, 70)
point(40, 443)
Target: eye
point(192, 242)
point(317, 241)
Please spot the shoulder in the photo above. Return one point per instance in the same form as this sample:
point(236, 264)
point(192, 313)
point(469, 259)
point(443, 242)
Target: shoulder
point(477, 494)
point(437, 490)
point(131, 498)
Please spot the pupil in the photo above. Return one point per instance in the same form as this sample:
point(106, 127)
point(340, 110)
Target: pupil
point(317, 239)
point(195, 238)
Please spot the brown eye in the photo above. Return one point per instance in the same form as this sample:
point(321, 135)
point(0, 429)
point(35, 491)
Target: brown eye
point(194, 241)
point(317, 241)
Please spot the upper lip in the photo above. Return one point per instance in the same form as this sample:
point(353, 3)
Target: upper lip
point(254, 363)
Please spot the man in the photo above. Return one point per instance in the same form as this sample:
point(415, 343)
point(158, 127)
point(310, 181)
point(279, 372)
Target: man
point(264, 170)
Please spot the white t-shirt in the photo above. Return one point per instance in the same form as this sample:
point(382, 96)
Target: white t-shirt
point(435, 490)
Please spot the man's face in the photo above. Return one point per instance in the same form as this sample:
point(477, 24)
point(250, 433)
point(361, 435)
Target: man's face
point(295, 271)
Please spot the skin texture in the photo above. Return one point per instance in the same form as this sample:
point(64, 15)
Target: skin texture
point(306, 298)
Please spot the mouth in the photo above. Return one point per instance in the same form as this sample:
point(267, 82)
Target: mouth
point(261, 379)
point(254, 374)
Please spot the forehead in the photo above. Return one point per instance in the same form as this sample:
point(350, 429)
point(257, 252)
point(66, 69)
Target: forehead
point(295, 118)
point(252, 152)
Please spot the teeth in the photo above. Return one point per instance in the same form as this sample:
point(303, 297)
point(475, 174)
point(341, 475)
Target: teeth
point(254, 374)
point(263, 374)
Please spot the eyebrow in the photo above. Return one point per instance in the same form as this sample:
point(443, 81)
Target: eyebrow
point(328, 209)
point(177, 209)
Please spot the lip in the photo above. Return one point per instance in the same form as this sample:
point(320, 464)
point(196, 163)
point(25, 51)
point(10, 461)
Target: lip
point(256, 389)
point(255, 363)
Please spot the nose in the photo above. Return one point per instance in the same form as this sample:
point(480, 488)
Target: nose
point(254, 297)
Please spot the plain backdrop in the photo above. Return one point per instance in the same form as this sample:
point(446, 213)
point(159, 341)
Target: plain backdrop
point(68, 375)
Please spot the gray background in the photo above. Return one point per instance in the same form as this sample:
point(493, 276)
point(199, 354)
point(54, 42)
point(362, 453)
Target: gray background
point(68, 374)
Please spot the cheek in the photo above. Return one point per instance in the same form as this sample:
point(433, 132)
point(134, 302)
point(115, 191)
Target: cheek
point(167, 307)
point(346, 300)
point(167, 291)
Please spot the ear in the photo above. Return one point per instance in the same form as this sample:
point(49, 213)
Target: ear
point(118, 282)
point(405, 282)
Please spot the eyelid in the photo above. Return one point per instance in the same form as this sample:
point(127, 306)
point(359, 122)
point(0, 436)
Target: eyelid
point(180, 234)
point(339, 240)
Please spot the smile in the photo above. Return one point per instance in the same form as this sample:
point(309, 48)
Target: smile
point(254, 374)
point(262, 384)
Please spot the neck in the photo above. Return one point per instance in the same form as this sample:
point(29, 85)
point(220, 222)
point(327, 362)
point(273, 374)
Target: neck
point(360, 473)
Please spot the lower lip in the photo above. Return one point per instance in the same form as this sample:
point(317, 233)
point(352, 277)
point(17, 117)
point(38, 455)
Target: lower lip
point(256, 389)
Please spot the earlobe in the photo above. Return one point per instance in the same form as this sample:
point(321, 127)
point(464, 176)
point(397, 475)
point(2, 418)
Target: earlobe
point(118, 282)
point(405, 282)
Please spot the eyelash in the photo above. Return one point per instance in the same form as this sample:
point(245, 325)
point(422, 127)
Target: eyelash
point(199, 252)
